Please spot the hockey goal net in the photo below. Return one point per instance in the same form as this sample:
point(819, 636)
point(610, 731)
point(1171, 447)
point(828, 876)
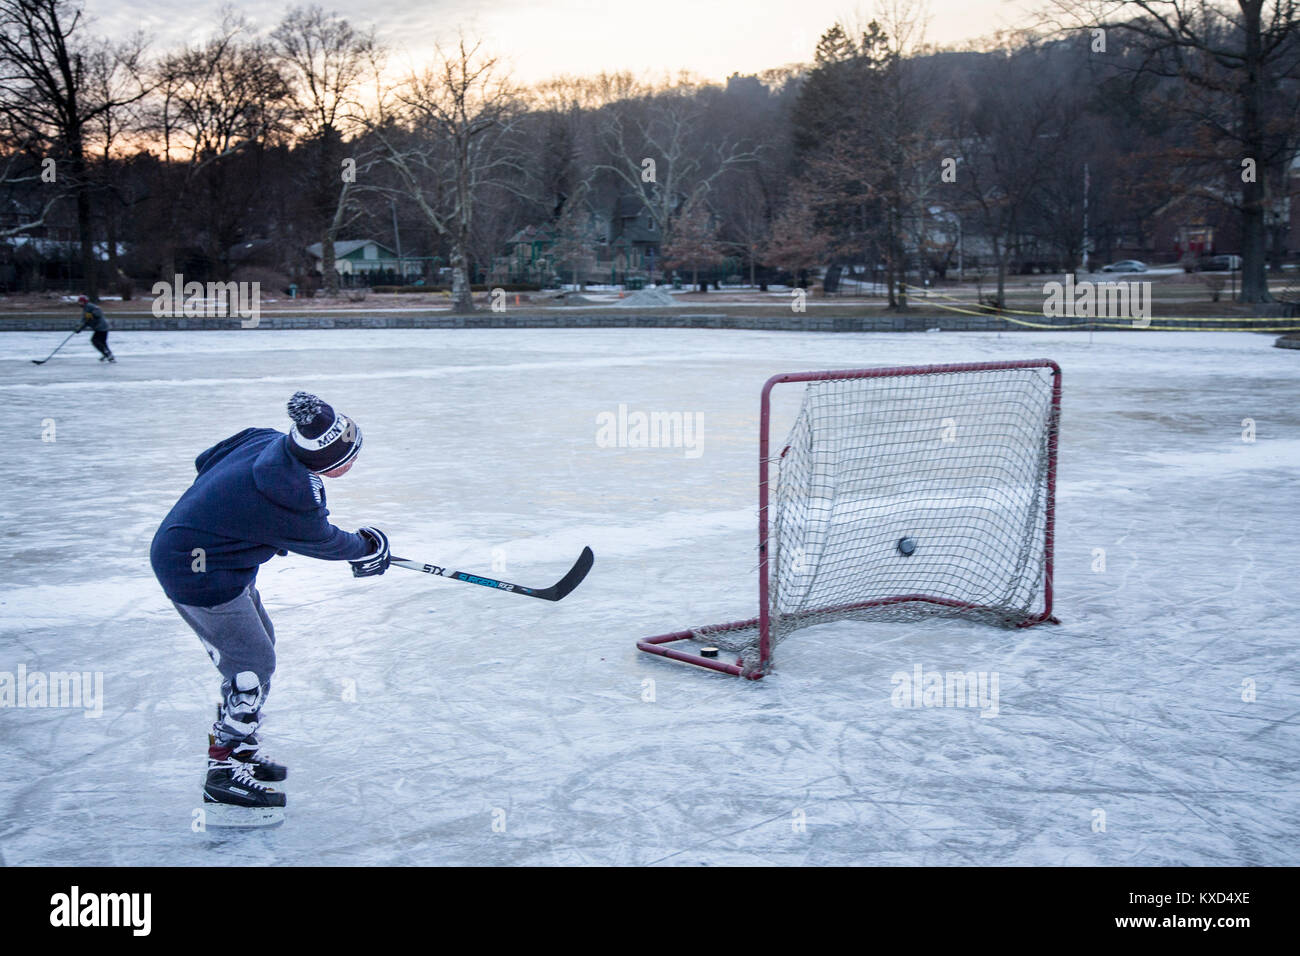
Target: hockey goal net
point(899, 493)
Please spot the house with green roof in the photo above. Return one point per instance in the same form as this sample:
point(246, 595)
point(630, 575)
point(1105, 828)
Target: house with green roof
point(364, 259)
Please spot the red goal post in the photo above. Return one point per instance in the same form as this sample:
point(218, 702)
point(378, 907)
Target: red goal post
point(871, 431)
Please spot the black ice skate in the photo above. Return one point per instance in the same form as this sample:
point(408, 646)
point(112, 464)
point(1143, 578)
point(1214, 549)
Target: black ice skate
point(231, 782)
point(263, 767)
point(233, 797)
point(248, 751)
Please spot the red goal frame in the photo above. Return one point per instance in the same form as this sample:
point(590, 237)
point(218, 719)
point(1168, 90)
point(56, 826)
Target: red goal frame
point(659, 644)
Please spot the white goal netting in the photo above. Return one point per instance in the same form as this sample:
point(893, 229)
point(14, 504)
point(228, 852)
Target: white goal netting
point(907, 495)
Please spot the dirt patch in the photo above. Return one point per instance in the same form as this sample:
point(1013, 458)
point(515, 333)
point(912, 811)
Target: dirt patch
point(646, 298)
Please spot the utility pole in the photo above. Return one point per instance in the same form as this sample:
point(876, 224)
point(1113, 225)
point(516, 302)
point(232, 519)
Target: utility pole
point(961, 266)
point(1085, 217)
point(397, 240)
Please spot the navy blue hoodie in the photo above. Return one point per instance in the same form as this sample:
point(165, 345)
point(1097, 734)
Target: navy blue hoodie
point(252, 499)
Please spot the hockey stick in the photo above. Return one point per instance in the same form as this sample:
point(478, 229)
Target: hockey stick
point(51, 355)
point(555, 592)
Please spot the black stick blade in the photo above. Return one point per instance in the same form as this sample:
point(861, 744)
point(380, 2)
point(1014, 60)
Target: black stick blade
point(562, 587)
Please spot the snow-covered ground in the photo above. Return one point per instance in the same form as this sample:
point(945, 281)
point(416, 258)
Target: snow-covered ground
point(431, 722)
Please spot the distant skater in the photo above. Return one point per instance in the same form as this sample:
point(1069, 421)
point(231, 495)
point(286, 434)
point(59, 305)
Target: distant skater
point(259, 493)
point(92, 317)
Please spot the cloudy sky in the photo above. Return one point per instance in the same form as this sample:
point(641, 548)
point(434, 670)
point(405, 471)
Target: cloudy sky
point(541, 38)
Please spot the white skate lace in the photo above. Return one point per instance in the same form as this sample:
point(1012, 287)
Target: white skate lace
point(242, 773)
point(255, 757)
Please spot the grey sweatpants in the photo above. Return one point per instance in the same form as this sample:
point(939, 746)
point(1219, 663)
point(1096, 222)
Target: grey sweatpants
point(237, 635)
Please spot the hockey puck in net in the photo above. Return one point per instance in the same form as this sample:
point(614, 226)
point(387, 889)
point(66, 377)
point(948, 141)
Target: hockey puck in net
point(906, 546)
point(708, 652)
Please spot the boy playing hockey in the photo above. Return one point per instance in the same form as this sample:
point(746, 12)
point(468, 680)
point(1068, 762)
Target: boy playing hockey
point(92, 317)
point(258, 494)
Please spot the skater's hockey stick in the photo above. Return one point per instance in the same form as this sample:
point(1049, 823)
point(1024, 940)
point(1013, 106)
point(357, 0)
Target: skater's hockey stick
point(51, 355)
point(555, 592)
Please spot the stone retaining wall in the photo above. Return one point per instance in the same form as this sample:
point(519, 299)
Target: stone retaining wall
point(805, 322)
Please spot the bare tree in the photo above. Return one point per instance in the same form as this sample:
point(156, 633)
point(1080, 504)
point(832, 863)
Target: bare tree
point(870, 133)
point(45, 99)
point(20, 171)
point(327, 59)
point(694, 243)
point(658, 151)
point(748, 219)
point(558, 123)
point(1006, 138)
point(214, 101)
point(450, 143)
point(116, 73)
point(1236, 73)
point(796, 244)
point(576, 237)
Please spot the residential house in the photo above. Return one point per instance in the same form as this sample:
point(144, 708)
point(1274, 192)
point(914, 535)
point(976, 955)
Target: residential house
point(365, 260)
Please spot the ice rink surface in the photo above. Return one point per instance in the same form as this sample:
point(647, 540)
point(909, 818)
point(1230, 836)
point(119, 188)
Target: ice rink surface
point(432, 722)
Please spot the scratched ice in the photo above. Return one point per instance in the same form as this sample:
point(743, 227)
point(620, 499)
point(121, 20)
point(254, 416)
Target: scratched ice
point(432, 722)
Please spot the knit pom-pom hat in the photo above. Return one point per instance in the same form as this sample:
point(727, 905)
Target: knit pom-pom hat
point(321, 439)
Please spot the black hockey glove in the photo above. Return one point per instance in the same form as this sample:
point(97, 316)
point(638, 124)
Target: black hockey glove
point(377, 561)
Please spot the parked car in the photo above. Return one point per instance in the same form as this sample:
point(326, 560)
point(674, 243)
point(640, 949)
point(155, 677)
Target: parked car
point(1219, 264)
point(1125, 265)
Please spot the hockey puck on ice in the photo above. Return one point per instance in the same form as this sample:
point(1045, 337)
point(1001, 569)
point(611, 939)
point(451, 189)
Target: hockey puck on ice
point(708, 652)
point(906, 546)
